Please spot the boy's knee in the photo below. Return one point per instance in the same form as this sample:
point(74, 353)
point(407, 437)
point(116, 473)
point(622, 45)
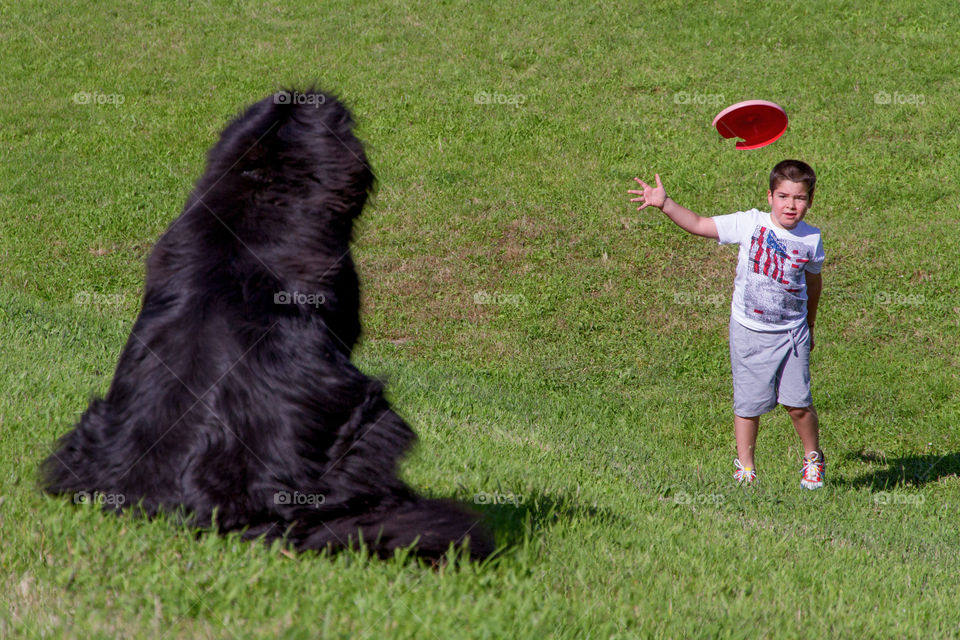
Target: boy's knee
point(800, 412)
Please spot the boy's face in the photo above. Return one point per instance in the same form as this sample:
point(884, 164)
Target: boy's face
point(790, 203)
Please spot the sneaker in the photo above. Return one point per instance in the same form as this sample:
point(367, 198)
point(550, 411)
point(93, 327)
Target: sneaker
point(811, 475)
point(744, 474)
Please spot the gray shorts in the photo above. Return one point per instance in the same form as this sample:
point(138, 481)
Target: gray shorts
point(769, 367)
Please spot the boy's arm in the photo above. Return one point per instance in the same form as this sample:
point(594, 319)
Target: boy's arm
point(689, 221)
point(681, 216)
point(814, 287)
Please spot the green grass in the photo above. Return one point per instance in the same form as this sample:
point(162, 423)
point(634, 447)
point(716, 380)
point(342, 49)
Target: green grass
point(594, 390)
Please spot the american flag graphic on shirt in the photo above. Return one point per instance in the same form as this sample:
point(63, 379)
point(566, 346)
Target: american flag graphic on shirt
point(775, 279)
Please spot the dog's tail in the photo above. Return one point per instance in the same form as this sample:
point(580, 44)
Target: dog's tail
point(427, 527)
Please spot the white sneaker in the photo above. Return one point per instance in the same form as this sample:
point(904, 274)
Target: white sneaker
point(744, 474)
point(814, 466)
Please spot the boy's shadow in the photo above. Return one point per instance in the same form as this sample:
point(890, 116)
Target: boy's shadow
point(908, 471)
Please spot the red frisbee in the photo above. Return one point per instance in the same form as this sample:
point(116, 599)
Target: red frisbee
point(758, 122)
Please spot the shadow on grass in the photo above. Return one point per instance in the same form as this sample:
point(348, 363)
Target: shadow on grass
point(518, 520)
point(908, 471)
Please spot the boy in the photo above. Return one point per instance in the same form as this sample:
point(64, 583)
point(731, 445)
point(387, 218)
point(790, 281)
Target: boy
point(775, 299)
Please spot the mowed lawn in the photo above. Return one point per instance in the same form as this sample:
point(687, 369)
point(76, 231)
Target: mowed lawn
point(562, 356)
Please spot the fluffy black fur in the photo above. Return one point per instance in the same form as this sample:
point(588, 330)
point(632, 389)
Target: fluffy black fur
point(234, 400)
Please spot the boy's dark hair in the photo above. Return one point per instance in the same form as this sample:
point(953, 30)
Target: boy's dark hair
point(794, 171)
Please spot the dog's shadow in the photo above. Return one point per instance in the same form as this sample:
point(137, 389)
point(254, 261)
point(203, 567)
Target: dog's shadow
point(516, 521)
point(907, 471)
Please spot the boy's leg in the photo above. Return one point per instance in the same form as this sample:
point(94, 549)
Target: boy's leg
point(745, 431)
point(753, 390)
point(807, 424)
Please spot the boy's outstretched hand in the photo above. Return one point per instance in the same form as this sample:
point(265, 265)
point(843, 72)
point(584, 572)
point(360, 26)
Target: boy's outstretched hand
point(681, 216)
point(650, 196)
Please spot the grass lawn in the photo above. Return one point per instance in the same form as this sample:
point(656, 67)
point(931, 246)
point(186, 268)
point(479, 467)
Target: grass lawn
point(562, 357)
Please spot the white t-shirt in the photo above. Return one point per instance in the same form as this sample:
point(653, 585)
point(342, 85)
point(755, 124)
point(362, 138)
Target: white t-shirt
point(770, 290)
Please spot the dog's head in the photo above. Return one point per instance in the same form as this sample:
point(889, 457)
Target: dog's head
point(273, 215)
point(295, 150)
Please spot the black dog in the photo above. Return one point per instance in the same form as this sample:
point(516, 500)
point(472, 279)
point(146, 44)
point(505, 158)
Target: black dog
point(234, 401)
